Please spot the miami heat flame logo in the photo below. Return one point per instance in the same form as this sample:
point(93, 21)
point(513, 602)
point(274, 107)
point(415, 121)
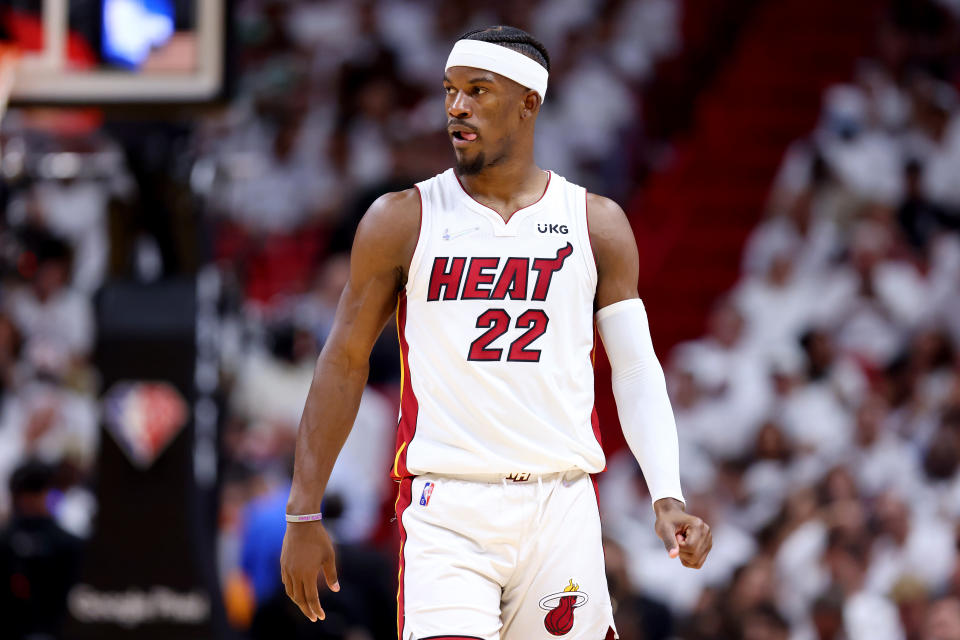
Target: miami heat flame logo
point(560, 606)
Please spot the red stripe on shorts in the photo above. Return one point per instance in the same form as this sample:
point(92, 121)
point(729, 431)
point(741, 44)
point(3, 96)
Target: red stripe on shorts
point(404, 498)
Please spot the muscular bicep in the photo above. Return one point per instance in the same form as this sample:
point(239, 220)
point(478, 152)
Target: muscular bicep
point(615, 251)
point(382, 248)
point(364, 308)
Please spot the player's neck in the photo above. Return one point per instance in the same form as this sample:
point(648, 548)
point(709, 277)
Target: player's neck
point(507, 187)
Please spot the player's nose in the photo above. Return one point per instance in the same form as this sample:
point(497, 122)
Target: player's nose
point(459, 106)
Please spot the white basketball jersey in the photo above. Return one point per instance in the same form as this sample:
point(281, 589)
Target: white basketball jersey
point(496, 334)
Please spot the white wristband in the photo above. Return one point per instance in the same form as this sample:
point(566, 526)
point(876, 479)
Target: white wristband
point(307, 517)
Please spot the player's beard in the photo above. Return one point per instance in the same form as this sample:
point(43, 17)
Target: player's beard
point(479, 162)
point(470, 167)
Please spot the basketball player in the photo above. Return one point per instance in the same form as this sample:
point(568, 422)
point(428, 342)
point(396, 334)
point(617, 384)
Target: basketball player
point(498, 272)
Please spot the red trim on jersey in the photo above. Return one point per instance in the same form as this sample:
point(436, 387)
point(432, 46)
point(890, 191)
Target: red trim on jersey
point(594, 418)
point(419, 232)
point(595, 422)
point(404, 499)
point(586, 215)
point(510, 217)
point(408, 400)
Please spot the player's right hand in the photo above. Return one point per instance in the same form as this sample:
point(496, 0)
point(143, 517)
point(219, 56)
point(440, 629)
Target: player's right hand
point(307, 550)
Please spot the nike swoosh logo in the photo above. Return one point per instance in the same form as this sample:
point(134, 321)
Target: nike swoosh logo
point(451, 236)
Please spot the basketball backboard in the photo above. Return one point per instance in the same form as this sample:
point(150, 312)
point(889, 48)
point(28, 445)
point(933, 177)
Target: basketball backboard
point(116, 51)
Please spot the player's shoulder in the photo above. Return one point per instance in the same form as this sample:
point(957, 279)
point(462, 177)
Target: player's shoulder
point(607, 221)
point(601, 209)
point(396, 212)
point(391, 225)
point(399, 205)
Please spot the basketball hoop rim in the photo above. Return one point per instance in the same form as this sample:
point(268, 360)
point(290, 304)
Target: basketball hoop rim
point(10, 53)
point(10, 56)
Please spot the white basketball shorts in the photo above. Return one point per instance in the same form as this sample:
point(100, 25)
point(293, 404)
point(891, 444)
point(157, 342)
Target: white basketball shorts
point(516, 558)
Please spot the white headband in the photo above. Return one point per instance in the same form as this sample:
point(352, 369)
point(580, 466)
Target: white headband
point(507, 62)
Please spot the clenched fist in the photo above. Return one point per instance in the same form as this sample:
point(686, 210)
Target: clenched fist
point(684, 535)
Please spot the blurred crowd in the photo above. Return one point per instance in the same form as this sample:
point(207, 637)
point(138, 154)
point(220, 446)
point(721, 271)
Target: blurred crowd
point(819, 417)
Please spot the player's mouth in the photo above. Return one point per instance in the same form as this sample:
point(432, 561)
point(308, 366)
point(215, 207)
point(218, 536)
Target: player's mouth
point(462, 136)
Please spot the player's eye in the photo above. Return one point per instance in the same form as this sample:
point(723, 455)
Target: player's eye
point(478, 90)
point(449, 91)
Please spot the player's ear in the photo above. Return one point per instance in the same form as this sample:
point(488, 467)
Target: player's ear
point(530, 104)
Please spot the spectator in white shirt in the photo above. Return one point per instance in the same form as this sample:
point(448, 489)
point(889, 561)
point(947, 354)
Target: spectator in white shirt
point(55, 320)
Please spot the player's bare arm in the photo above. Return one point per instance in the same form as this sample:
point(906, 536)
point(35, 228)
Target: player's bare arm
point(382, 249)
point(615, 251)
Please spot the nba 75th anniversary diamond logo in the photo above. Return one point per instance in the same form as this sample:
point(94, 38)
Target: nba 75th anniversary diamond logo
point(559, 607)
point(144, 417)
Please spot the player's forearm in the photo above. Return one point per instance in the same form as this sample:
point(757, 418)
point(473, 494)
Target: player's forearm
point(328, 415)
point(640, 391)
point(650, 430)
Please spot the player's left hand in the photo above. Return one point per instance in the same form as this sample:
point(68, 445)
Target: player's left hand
point(684, 535)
